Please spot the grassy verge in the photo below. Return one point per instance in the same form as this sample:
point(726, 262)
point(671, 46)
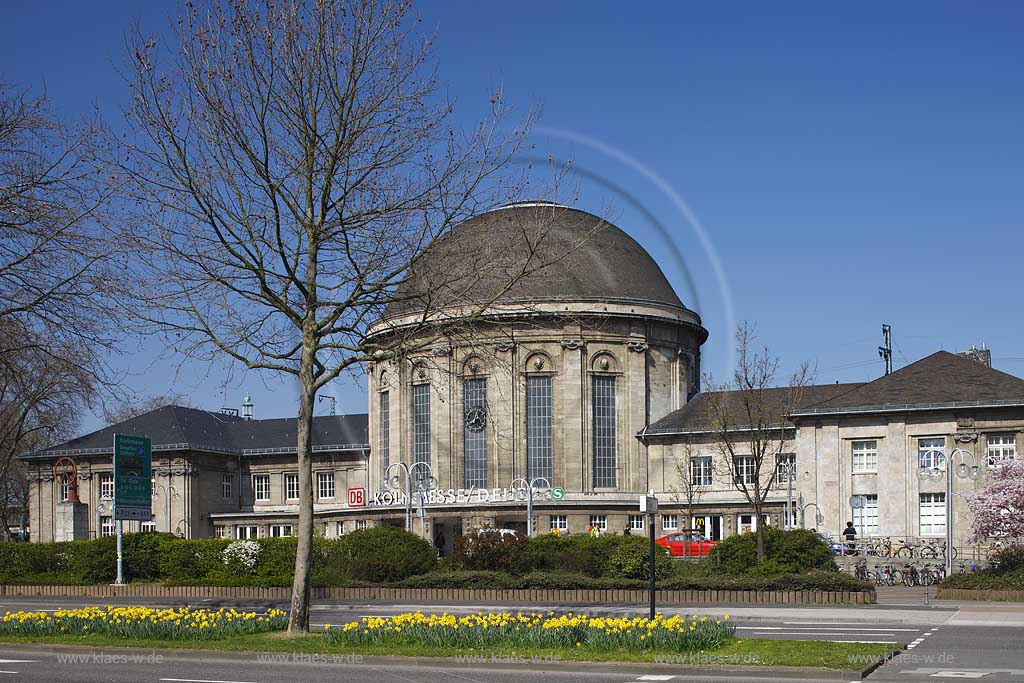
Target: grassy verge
point(739, 652)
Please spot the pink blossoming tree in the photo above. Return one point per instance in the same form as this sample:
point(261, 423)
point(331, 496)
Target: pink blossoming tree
point(998, 509)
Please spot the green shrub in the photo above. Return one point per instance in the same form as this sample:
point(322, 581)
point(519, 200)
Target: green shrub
point(92, 561)
point(792, 551)
point(632, 560)
point(491, 551)
point(386, 553)
point(987, 579)
point(575, 554)
point(142, 555)
point(194, 561)
point(1008, 559)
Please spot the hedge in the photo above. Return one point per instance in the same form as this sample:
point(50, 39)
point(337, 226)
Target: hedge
point(786, 552)
point(622, 557)
point(380, 554)
point(820, 581)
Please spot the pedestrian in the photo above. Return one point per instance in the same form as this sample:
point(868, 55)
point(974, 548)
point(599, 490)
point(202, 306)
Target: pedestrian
point(851, 536)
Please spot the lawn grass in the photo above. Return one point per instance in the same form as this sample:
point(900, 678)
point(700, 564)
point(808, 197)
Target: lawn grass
point(738, 652)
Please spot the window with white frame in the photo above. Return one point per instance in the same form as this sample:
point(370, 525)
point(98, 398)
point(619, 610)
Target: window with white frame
point(599, 521)
point(226, 482)
point(291, 486)
point(65, 490)
point(931, 453)
point(107, 525)
point(325, 484)
point(247, 531)
point(636, 522)
point(360, 524)
point(700, 471)
point(865, 456)
point(1002, 448)
point(669, 522)
point(745, 469)
point(261, 487)
point(865, 519)
point(559, 523)
point(785, 467)
point(933, 514)
point(107, 486)
point(147, 527)
point(339, 528)
point(280, 530)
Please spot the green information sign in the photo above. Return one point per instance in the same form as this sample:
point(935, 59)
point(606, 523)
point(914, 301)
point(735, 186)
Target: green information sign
point(558, 493)
point(133, 477)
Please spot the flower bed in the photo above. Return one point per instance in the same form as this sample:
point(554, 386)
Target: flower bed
point(536, 630)
point(143, 622)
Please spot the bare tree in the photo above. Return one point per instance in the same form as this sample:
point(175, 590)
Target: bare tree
point(59, 271)
point(292, 163)
point(134, 407)
point(749, 426)
point(41, 394)
point(690, 487)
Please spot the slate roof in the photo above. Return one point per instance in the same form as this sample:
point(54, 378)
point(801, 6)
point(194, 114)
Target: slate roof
point(695, 416)
point(482, 260)
point(941, 380)
point(179, 428)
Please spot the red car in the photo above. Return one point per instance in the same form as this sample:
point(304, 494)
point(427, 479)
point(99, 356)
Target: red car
point(680, 545)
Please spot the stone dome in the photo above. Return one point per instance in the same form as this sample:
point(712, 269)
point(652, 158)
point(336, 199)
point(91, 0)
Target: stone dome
point(532, 252)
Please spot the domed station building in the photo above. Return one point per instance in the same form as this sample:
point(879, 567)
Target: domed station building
point(567, 341)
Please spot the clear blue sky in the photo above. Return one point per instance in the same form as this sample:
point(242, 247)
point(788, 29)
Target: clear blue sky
point(851, 166)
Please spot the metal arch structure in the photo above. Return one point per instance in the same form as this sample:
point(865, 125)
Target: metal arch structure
point(66, 471)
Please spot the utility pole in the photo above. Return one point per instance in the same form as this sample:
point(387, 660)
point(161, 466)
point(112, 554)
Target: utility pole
point(885, 352)
point(333, 400)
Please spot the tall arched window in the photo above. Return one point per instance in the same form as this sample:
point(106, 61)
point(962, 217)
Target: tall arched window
point(605, 439)
point(538, 426)
point(474, 432)
point(421, 422)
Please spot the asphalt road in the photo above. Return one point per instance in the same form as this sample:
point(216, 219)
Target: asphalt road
point(980, 642)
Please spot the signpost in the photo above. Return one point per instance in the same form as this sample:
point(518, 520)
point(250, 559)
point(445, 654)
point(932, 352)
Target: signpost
point(856, 503)
point(649, 504)
point(133, 486)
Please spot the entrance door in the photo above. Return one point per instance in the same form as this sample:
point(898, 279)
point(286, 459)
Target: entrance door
point(709, 526)
point(745, 522)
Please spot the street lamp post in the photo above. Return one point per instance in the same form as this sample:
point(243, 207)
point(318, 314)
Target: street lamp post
point(170, 491)
point(939, 467)
point(529, 486)
point(420, 482)
point(801, 507)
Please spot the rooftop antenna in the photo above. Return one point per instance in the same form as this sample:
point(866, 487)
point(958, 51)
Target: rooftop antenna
point(334, 402)
point(885, 352)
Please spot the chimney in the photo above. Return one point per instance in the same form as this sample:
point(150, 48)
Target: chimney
point(982, 355)
point(247, 407)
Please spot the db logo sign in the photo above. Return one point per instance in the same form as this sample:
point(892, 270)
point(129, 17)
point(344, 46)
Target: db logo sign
point(356, 498)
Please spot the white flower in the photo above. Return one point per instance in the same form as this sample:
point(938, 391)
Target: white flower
point(242, 552)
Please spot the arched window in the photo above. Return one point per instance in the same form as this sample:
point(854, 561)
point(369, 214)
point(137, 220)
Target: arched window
point(474, 432)
point(603, 425)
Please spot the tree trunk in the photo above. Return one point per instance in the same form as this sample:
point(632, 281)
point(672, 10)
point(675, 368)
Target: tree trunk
point(298, 619)
point(759, 532)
